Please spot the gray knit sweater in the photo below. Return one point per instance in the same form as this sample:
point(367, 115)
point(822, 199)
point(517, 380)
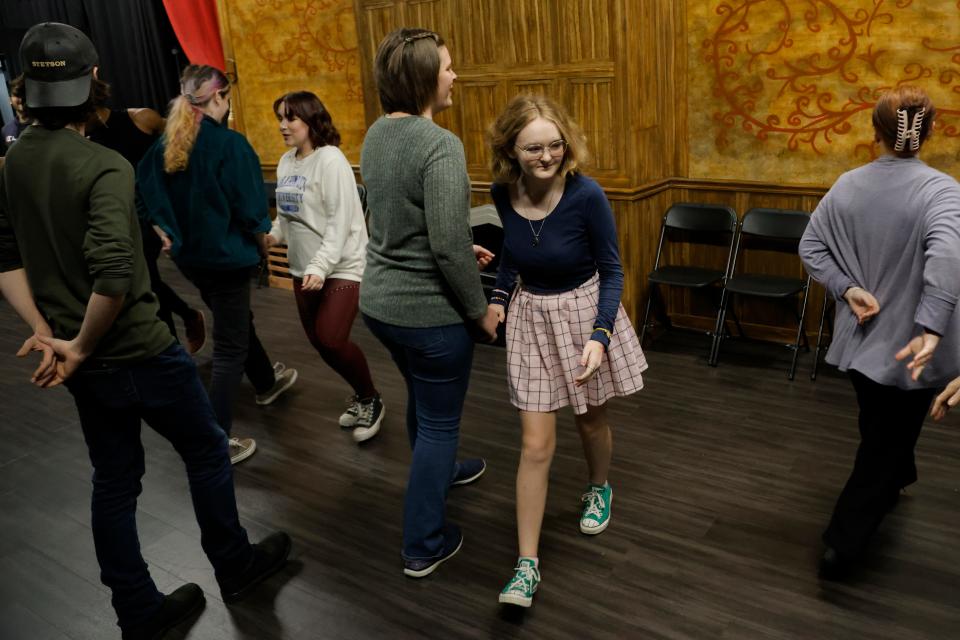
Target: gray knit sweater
point(421, 271)
point(891, 227)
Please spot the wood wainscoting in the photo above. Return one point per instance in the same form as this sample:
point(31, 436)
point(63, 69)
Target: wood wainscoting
point(638, 212)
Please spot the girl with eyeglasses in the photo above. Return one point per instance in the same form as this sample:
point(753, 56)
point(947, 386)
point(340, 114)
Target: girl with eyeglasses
point(202, 191)
point(569, 341)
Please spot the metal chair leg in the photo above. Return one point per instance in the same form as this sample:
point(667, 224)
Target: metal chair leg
point(816, 351)
point(800, 332)
point(646, 315)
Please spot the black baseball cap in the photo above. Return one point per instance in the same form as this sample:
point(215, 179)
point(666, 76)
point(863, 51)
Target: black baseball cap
point(58, 62)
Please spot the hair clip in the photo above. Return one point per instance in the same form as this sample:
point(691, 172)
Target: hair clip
point(909, 131)
point(915, 129)
point(901, 129)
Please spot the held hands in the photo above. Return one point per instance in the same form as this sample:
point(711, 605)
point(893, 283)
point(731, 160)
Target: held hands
point(483, 256)
point(270, 241)
point(68, 357)
point(488, 323)
point(47, 370)
point(498, 309)
point(862, 303)
point(947, 399)
point(922, 348)
point(312, 282)
point(164, 239)
point(590, 361)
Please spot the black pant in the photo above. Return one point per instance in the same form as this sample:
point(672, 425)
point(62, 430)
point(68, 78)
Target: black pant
point(890, 422)
point(236, 348)
point(170, 303)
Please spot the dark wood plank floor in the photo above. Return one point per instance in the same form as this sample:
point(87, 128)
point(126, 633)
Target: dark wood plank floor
point(724, 478)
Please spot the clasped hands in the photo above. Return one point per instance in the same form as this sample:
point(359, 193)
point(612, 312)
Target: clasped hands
point(919, 350)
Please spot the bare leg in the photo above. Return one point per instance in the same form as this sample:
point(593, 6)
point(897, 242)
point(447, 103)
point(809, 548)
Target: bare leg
point(533, 475)
point(597, 442)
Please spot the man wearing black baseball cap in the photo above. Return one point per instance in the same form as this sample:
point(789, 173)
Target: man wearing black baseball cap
point(72, 266)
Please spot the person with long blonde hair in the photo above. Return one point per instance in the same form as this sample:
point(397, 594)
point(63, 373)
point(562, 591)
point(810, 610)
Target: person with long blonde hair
point(202, 191)
point(569, 341)
point(885, 241)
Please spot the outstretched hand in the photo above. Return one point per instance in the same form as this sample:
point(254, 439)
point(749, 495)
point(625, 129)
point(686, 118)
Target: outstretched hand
point(483, 256)
point(948, 398)
point(921, 348)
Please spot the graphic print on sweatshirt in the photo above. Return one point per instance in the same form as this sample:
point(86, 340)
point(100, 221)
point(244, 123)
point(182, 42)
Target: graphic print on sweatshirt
point(290, 193)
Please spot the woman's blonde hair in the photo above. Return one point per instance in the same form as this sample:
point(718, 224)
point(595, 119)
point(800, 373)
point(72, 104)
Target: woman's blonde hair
point(198, 85)
point(521, 111)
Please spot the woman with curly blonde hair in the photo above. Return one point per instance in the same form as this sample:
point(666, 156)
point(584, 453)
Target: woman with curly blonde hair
point(569, 341)
point(202, 191)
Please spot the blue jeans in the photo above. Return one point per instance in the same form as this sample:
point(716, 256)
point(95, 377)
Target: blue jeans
point(236, 347)
point(435, 363)
point(166, 393)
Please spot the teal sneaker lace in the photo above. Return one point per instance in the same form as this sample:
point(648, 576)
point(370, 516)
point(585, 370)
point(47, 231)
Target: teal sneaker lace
point(524, 581)
point(596, 503)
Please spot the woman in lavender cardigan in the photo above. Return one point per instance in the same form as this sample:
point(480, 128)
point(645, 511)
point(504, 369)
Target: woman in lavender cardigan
point(886, 240)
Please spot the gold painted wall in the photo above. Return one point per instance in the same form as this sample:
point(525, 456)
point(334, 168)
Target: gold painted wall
point(781, 91)
point(288, 45)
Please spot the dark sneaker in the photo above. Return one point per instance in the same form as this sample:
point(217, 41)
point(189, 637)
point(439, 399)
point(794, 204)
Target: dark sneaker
point(835, 565)
point(452, 541)
point(196, 329)
point(368, 419)
point(269, 555)
point(176, 607)
point(348, 418)
point(284, 379)
point(468, 471)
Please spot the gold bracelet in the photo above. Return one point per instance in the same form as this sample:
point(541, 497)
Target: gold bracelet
point(605, 332)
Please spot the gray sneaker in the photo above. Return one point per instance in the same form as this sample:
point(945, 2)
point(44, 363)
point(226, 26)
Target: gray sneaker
point(368, 419)
point(241, 448)
point(284, 379)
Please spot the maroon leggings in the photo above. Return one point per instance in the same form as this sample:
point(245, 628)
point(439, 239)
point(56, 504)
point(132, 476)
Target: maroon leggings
point(327, 317)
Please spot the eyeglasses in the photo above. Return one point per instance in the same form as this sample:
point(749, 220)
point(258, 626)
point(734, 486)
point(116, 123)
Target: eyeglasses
point(556, 149)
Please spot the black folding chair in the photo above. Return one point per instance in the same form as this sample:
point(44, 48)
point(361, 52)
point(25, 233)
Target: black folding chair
point(488, 233)
point(694, 224)
point(768, 230)
point(828, 303)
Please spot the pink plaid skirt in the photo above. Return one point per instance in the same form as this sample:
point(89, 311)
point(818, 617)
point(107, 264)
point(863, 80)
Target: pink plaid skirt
point(545, 338)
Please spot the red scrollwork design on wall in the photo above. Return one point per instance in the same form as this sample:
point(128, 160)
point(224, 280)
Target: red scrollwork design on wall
point(769, 85)
point(318, 39)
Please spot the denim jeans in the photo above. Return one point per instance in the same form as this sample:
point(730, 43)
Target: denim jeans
point(435, 363)
point(236, 348)
point(165, 392)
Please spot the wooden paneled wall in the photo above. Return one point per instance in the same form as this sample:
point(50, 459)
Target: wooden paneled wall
point(618, 66)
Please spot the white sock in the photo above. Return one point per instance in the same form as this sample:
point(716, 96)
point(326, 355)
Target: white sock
point(536, 561)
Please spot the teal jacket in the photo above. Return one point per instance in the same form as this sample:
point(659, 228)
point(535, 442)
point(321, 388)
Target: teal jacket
point(212, 209)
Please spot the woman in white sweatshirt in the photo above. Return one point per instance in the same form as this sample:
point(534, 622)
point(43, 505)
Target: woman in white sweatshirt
point(320, 219)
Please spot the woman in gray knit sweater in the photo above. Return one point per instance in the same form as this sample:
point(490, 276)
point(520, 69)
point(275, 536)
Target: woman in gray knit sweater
point(886, 240)
point(421, 286)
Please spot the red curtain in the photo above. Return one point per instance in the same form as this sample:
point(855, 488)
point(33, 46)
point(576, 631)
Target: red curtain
point(195, 23)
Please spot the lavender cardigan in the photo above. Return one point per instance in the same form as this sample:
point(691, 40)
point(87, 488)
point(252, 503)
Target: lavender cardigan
point(891, 227)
